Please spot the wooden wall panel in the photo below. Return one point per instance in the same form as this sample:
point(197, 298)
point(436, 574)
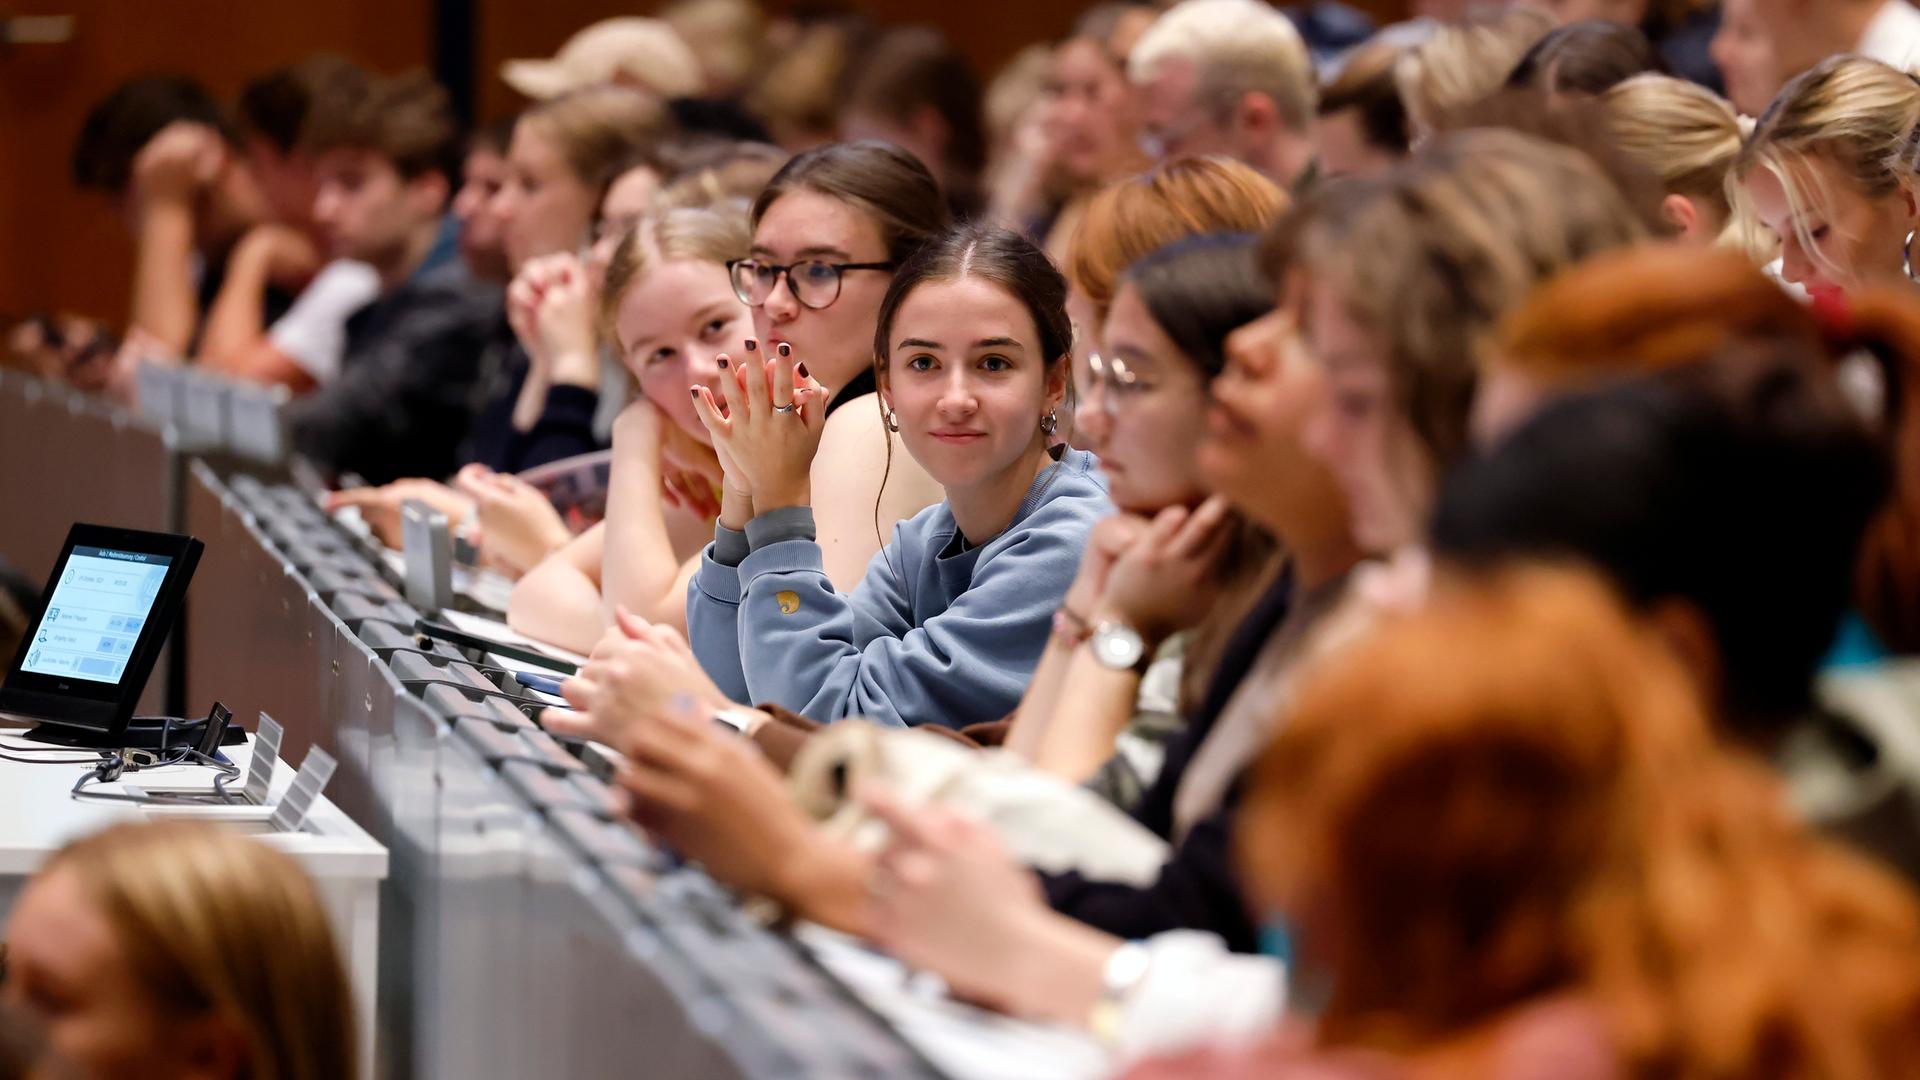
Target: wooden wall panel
point(989, 31)
point(65, 250)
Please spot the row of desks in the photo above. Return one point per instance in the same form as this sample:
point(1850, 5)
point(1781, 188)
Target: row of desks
point(524, 928)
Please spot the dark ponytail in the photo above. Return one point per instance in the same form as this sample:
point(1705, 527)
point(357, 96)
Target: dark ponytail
point(1002, 256)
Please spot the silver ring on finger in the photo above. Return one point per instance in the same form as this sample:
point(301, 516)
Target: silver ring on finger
point(787, 408)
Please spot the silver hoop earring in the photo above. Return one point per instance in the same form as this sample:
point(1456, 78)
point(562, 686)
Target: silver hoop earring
point(893, 420)
point(1050, 423)
point(1906, 256)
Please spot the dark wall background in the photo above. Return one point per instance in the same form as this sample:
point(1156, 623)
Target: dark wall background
point(66, 251)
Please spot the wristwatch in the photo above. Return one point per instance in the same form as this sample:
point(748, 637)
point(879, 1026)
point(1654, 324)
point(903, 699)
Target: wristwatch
point(1119, 647)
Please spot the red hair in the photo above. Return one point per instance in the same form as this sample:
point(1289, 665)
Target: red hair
point(1644, 308)
point(1515, 796)
point(1133, 218)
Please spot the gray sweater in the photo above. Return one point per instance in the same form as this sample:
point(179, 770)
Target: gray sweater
point(932, 635)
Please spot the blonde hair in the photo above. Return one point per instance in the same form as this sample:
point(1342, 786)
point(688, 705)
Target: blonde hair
point(1237, 47)
point(727, 37)
point(716, 234)
point(1859, 114)
point(1464, 62)
point(211, 921)
point(601, 131)
point(1686, 134)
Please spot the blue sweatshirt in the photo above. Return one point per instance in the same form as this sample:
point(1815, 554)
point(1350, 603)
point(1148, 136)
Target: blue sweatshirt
point(932, 635)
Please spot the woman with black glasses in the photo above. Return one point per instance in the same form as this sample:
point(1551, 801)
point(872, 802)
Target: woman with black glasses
point(945, 628)
point(828, 232)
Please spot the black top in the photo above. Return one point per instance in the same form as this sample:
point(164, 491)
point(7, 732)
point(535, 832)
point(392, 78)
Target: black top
point(1685, 46)
point(403, 402)
point(274, 303)
point(1198, 888)
point(564, 428)
point(860, 386)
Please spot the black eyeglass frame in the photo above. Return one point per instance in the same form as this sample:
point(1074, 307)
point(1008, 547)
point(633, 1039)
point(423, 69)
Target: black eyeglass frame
point(780, 271)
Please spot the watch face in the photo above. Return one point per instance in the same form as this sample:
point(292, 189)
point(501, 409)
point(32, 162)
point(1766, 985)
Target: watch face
point(1118, 646)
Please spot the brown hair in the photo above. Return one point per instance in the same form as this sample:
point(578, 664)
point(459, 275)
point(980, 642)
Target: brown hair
point(1132, 218)
point(1534, 807)
point(210, 920)
point(1657, 307)
point(601, 131)
point(283, 105)
point(1587, 57)
point(882, 181)
point(1366, 85)
point(915, 67)
point(406, 119)
point(1435, 252)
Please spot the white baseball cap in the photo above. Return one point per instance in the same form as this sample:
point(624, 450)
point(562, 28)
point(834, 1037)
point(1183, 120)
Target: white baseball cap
point(641, 52)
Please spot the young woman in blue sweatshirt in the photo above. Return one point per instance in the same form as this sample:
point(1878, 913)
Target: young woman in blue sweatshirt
point(952, 616)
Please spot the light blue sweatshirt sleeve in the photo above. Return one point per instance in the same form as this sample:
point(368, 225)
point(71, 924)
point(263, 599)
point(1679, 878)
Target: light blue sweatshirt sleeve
point(828, 656)
point(713, 608)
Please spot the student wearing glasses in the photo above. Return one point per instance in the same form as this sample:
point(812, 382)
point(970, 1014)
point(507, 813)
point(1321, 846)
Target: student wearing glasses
point(829, 230)
point(947, 624)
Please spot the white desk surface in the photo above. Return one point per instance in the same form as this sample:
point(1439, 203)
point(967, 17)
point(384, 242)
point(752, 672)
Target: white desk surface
point(38, 813)
point(960, 1040)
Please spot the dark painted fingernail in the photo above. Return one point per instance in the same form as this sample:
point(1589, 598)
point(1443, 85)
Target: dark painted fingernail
point(723, 363)
point(752, 345)
point(695, 392)
point(802, 369)
point(785, 349)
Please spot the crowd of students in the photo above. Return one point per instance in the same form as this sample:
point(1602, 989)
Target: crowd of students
point(1295, 549)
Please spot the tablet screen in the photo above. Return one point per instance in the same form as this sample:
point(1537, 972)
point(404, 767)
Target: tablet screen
point(99, 605)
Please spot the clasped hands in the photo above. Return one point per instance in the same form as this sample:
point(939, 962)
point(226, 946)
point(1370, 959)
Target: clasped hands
point(765, 430)
point(550, 306)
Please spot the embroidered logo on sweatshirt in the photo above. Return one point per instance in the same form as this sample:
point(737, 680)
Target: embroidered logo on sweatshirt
point(789, 602)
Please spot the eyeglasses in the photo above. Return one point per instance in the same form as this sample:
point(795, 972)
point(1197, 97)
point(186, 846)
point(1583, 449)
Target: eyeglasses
point(815, 284)
point(1116, 381)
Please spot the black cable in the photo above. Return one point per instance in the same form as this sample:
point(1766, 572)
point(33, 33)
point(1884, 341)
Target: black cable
point(48, 761)
point(226, 772)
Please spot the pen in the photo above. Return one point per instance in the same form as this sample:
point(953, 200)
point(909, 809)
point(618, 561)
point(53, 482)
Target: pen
point(543, 683)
